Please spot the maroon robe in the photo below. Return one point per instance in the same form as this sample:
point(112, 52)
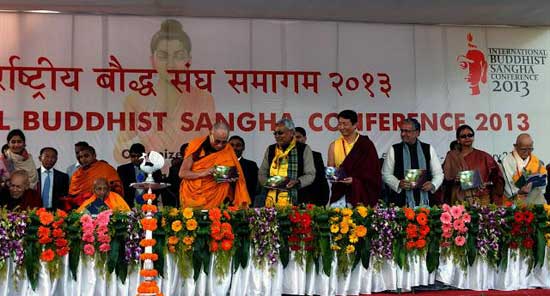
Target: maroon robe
point(29, 200)
point(363, 166)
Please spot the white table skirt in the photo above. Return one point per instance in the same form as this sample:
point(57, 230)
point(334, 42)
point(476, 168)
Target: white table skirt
point(293, 279)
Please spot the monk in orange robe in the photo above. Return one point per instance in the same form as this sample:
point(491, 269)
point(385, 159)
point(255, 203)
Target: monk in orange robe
point(103, 197)
point(198, 189)
point(91, 169)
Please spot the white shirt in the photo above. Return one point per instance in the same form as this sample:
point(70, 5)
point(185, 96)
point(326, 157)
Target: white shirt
point(43, 176)
point(393, 182)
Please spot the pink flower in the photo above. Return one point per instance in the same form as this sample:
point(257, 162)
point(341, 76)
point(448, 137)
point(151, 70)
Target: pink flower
point(460, 240)
point(463, 230)
point(457, 224)
point(446, 207)
point(467, 218)
point(447, 234)
point(89, 249)
point(88, 238)
point(445, 244)
point(103, 238)
point(104, 248)
point(102, 229)
point(456, 211)
point(103, 217)
point(86, 219)
point(446, 227)
point(445, 218)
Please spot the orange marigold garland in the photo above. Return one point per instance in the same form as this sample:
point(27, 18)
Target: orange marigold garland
point(148, 286)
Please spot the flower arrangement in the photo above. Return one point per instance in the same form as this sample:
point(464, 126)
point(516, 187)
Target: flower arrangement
point(454, 226)
point(265, 237)
point(180, 228)
point(148, 272)
point(301, 239)
point(384, 228)
point(491, 225)
point(51, 237)
point(417, 229)
point(13, 226)
point(221, 240)
point(95, 236)
point(522, 231)
point(345, 234)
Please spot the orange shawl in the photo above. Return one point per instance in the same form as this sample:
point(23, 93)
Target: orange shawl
point(83, 179)
point(114, 201)
point(205, 193)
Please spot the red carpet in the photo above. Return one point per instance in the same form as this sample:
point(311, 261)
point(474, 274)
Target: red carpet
point(530, 292)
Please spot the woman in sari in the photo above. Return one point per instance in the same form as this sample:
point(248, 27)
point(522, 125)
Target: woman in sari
point(468, 158)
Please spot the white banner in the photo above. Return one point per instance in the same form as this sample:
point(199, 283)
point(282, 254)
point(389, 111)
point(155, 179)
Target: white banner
point(116, 80)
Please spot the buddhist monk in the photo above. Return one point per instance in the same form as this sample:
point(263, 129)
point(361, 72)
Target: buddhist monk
point(103, 198)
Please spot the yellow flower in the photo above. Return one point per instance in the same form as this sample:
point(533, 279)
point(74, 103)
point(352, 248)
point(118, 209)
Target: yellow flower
point(347, 219)
point(334, 219)
point(350, 249)
point(173, 212)
point(344, 227)
point(335, 247)
point(191, 224)
point(337, 238)
point(188, 240)
point(176, 226)
point(336, 210)
point(547, 235)
point(334, 228)
point(363, 211)
point(163, 222)
point(347, 212)
point(188, 213)
point(353, 238)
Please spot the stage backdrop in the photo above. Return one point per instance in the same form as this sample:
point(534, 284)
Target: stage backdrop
point(116, 80)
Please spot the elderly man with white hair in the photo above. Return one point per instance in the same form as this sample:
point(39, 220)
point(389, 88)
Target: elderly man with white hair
point(199, 189)
point(525, 174)
point(290, 160)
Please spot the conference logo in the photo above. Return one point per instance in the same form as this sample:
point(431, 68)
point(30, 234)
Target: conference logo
point(475, 65)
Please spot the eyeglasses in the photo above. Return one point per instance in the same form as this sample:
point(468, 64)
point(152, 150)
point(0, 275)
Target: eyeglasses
point(278, 133)
point(218, 142)
point(466, 136)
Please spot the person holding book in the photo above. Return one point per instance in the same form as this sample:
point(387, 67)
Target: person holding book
point(411, 169)
point(525, 174)
point(470, 162)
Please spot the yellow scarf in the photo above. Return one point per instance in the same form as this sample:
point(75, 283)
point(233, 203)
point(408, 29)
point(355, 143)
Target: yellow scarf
point(342, 149)
point(279, 167)
point(534, 166)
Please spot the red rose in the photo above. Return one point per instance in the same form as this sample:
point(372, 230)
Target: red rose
point(294, 247)
point(514, 245)
point(529, 216)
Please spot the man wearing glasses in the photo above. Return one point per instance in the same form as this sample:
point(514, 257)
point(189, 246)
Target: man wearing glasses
point(405, 157)
point(199, 189)
point(18, 193)
point(291, 161)
point(525, 174)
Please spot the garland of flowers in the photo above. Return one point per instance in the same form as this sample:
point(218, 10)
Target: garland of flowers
point(491, 225)
point(221, 240)
point(148, 272)
point(384, 229)
point(13, 226)
point(345, 234)
point(301, 240)
point(264, 231)
point(181, 229)
point(455, 221)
